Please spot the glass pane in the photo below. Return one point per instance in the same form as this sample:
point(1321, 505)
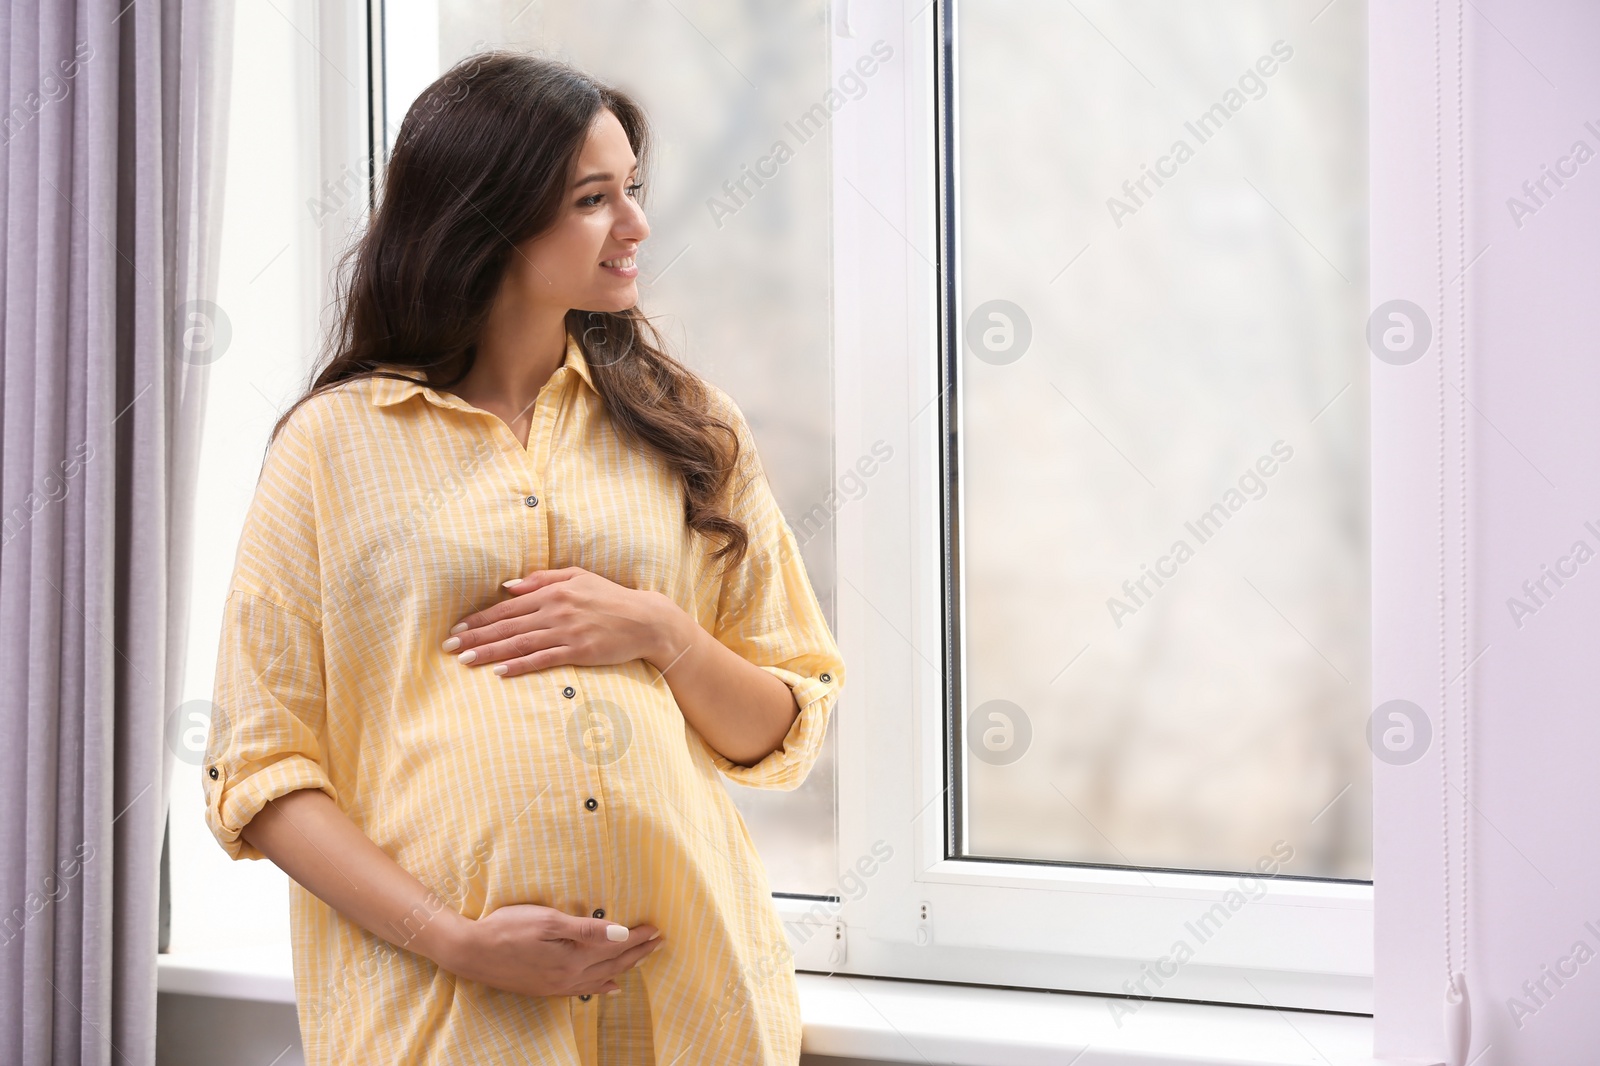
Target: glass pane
point(1164, 480)
point(737, 280)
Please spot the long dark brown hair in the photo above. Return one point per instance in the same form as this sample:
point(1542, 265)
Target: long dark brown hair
point(481, 163)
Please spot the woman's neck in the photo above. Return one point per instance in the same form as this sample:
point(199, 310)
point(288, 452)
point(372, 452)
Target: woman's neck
point(519, 348)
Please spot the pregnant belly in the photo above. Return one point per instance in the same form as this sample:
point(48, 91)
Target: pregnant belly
point(486, 789)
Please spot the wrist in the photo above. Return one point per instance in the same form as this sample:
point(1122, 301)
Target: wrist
point(672, 631)
point(449, 940)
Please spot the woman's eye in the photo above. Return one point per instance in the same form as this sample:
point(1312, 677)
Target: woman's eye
point(591, 201)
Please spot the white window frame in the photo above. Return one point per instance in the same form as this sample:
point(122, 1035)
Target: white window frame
point(1306, 943)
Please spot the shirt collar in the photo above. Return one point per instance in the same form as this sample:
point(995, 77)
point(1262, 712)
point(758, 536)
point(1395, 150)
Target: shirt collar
point(386, 391)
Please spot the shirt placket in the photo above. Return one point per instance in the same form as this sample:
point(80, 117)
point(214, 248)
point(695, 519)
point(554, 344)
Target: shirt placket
point(585, 782)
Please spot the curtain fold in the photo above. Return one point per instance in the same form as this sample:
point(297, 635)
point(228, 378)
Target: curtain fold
point(111, 151)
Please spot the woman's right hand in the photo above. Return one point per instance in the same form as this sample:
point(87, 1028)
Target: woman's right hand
point(540, 951)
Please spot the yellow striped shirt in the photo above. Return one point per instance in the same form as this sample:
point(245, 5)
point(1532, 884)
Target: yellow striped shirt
point(387, 511)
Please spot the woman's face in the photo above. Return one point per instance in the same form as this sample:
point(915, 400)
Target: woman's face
point(586, 261)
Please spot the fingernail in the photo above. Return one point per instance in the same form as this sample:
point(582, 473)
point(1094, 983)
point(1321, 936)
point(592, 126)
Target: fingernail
point(616, 932)
point(468, 655)
point(513, 581)
point(612, 991)
point(501, 669)
point(458, 627)
point(654, 935)
point(452, 644)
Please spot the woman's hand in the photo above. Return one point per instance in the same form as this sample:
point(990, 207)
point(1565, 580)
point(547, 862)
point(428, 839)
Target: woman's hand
point(572, 616)
point(567, 617)
point(539, 951)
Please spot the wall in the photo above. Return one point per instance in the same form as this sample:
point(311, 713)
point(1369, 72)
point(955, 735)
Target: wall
point(195, 1030)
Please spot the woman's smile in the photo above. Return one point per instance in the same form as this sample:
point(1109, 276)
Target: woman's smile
point(623, 266)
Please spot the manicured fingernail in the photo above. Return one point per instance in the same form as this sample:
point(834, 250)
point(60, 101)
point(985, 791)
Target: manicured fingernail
point(458, 627)
point(654, 935)
point(468, 655)
point(501, 668)
point(452, 644)
point(612, 991)
point(513, 581)
point(616, 932)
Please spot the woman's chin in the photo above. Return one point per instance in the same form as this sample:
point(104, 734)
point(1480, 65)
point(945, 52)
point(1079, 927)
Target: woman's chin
point(622, 299)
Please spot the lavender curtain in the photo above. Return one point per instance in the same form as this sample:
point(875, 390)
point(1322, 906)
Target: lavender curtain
point(111, 151)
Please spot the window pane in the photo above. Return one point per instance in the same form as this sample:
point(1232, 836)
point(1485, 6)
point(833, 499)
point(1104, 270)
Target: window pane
point(738, 280)
point(1164, 484)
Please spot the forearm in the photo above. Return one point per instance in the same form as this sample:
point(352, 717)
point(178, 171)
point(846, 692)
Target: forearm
point(309, 838)
point(740, 709)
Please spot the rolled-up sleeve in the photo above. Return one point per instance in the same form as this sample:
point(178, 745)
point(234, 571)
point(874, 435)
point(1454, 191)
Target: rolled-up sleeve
point(767, 611)
point(266, 719)
point(268, 714)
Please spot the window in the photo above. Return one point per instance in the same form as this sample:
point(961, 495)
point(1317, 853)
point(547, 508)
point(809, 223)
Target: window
point(1159, 484)
point(1088, 346)
point(1004, 346)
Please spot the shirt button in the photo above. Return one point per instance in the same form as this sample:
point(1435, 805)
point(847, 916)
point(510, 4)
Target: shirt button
point(599, 912)
point(584, 997)
point(591, 803)
point(569, 692)
point(213, 773)
point(532, 501)
point(825, 678)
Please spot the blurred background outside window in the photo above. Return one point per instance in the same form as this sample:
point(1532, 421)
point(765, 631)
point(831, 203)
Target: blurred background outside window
point(1164, 492)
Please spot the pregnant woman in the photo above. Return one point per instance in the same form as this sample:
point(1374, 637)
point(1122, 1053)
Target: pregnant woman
point(511, 594)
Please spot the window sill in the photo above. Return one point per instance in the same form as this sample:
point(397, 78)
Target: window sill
point(262, 976)
point(909, 1021)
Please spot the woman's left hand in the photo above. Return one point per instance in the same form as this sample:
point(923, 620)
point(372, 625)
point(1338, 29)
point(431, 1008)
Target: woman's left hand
point(570, 616)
